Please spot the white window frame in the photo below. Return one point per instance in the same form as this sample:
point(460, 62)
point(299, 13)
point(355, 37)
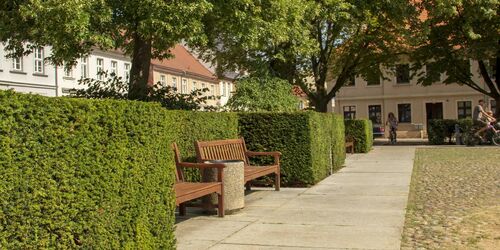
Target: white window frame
point(84, 67)
point(99, 67)
point(68, 72)
point(174, 83)
point(184, 86)
point(17, 64)
point(195, 85)
point(38, 61)
point(163, 80)
point(212, 89)
point(114, 67)
point(126, 74)
point(223, 88)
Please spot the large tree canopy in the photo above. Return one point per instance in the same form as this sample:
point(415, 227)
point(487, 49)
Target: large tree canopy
point(454, 34)
point(263, 93)
point(299, 40)
point(143, 29)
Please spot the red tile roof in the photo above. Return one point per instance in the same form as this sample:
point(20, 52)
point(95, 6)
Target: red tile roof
point(184, 62)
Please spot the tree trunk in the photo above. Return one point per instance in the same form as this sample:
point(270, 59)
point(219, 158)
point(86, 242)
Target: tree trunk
point(320, 103)
point(497, 111)
point(139, 74)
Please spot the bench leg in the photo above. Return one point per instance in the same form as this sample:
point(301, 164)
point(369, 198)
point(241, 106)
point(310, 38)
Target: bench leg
point(220, 205)
point(182, 209)
point(277, 181)
point(248, 186)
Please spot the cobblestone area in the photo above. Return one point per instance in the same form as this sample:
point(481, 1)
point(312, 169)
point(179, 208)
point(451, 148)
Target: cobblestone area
point(454, 200)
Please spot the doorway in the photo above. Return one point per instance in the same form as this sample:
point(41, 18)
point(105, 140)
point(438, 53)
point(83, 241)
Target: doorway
point(434, 111)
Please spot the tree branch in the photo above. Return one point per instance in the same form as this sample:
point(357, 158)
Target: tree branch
point(484, 73)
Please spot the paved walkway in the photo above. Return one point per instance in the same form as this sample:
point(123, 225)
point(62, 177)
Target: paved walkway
point(360, 207)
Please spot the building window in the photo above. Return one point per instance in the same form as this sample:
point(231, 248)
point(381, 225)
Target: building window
point(212, 90)
point(85, 67)
point(301, 105)
point(404, 113)
point(351, 81)
point(373, 80)
point(195, 86)
point(203, 86)
point(163, 81)
point(184, 86)
point(68, 72)
point(402, 73)
point(349, 112)
point(223, 89)
point(127, 72)
point(432, 73)
point(464, 109)
point(174, 83)
point(39, 65)
point(375, 114)
point(493, 106)
point(100, 68)
point(17, 64)
point(114, 67)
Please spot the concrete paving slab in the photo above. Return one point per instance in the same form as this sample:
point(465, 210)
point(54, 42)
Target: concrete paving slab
point(392, 179)
point(362, 206)
point(348, 202)
point(196, 244)
point(317, 236)
point(363, 189)
point(226, 246)
point(207, 230)
point(377, 218)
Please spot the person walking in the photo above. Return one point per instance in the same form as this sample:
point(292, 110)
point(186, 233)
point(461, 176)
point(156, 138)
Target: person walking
point(392, 122)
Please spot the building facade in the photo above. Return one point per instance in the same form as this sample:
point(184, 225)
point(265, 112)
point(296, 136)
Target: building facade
point(413, 105)
point(185, 73)
point(28, 74)
point(89, 67)
point(33, 74)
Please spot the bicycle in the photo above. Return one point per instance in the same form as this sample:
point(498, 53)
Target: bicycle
point(492, 136)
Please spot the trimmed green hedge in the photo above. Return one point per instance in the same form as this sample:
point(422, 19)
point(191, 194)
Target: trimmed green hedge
point(305, 139)
point(438, 131)
point(362, 132)
point(80, 173)
point(338, 140)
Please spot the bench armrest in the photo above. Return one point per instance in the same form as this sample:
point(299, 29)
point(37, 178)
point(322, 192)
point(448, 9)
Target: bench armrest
point(251, 153)
point(219, 167)
point(275, 154)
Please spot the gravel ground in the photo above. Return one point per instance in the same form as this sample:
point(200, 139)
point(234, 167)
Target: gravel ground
point(454, 200)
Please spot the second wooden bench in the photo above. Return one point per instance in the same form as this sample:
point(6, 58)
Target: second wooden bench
point(235, 149)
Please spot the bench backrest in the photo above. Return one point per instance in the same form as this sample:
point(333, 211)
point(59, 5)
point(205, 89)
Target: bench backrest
point(179, 173)
point(231, 149)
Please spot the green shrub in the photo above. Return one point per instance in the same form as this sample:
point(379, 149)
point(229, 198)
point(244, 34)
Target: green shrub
point(93, 174)
point(338, 140)
point(440, 130)
point(304, 139)
point(362, 132)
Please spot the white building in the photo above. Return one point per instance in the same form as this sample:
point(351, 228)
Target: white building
point(32, 74)
point(106, 61)
point(29, 74)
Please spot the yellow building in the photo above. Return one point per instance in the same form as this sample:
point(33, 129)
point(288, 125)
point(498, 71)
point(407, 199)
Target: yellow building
point(185, 73)
point(413, 105)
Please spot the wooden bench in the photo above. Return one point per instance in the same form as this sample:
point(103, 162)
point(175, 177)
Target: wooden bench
point(235, 149)
point(186, 191)
point(349, 145)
